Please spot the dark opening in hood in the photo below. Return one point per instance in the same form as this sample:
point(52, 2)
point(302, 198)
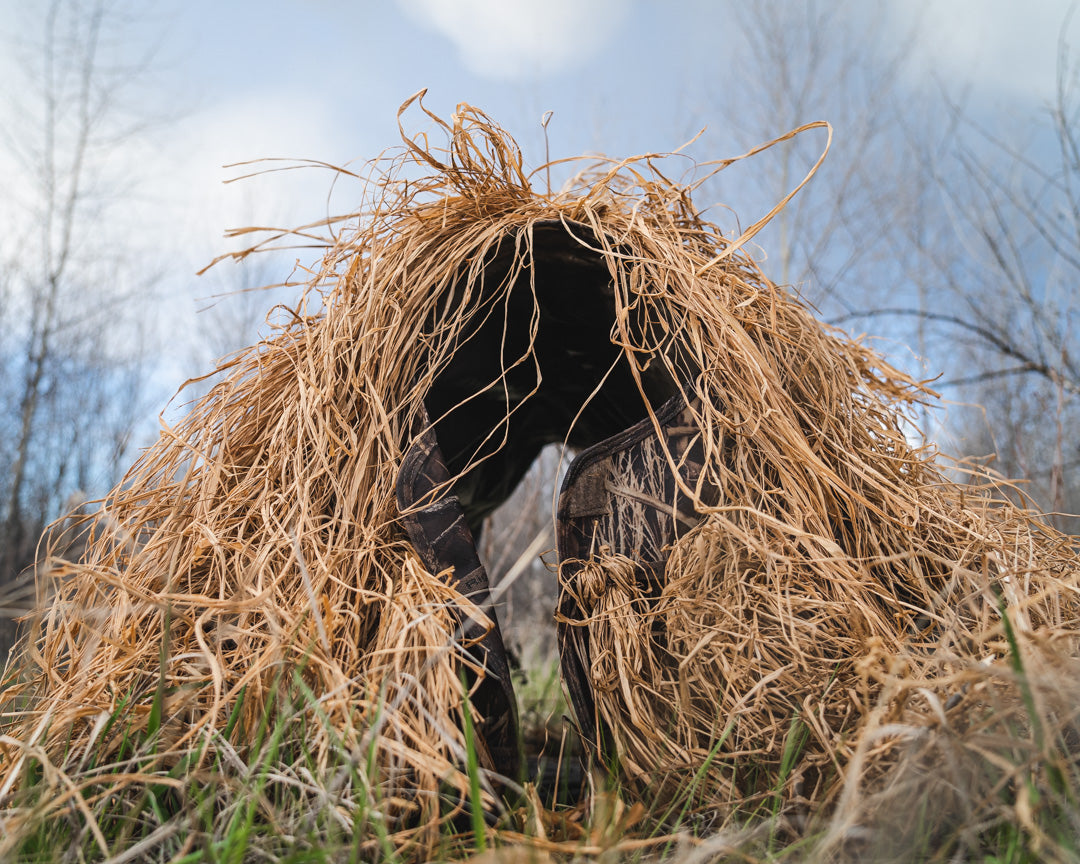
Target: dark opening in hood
point(573, 312)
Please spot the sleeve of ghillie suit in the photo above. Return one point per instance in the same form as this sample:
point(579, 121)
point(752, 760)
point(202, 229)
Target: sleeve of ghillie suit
point(436, 525)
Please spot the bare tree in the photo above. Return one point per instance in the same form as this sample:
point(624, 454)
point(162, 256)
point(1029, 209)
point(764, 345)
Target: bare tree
point(922, 226)
point(71, 351)
point(792, 64)
point(992, 291)
point(1019, 215)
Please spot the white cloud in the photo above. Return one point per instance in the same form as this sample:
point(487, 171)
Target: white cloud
point(1001, 46)
point(524, 38)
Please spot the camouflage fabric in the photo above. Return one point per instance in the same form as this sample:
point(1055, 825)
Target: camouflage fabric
point(626, 495)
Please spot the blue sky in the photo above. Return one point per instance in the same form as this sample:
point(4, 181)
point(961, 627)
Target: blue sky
point(235, 81)
point(322, 79)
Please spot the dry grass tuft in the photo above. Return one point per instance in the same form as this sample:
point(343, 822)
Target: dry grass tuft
point(844, 602)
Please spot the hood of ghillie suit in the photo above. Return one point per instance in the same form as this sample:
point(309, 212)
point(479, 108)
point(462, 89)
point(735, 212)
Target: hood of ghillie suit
point(819, 595)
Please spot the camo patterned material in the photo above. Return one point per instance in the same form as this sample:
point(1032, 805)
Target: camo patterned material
point(436, 525)
point(621, 497)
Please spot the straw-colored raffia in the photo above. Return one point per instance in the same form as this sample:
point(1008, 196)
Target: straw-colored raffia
point(762, 633)
point(840, 577)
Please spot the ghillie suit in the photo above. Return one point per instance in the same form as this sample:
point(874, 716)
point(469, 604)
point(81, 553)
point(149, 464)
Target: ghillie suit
point(768, 591)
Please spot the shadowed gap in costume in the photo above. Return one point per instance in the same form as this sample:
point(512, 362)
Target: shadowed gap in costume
point(534, 365)
point(574, 312)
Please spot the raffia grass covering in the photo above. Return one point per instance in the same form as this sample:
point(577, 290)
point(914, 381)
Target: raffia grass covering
point(842, 585)
point(764, 636)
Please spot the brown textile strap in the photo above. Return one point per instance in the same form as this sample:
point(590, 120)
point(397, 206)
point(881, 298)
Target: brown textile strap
point(435, 523)
point(621, 496)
